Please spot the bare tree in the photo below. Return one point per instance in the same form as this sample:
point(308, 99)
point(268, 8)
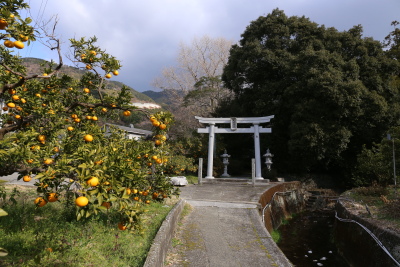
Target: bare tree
point(194, 83)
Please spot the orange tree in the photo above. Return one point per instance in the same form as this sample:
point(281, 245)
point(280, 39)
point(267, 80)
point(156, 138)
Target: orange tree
point(49, 130)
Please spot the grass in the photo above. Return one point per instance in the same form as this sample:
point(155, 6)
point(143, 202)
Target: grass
point(276, 236)
point(383, 202)
point(192, 179)
point(50, 236)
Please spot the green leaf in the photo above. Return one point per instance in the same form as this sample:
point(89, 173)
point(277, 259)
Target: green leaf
point(3, 252)
point(3, 212)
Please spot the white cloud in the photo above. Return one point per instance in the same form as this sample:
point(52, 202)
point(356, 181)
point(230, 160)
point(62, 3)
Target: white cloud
point(145, 35)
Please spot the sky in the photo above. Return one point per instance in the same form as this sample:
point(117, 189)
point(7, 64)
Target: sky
point(145, 34)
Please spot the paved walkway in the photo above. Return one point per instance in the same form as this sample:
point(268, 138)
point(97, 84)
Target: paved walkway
point(224, 228)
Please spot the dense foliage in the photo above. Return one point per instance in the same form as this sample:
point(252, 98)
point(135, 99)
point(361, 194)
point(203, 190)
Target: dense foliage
point(331, 92)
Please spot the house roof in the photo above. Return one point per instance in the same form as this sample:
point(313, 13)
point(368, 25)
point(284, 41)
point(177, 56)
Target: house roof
point(132, 130)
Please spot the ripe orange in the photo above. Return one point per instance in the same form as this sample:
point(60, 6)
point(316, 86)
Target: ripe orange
point(23, 38)
point(70, 128)
point(104, 109)
point(40, 201)
point(26, 178)
point(127, 113)
point(88, 67)
point(148, 202)
point(154, 157)
point(93, 52)
point(8, 43)
point(156, 123)
point(108, 75)
point(83, 56)
point(157, 142)
point(41, 137)
point(128, 191)
point(3, 24)
point(74, 116)
point(52, 197)
point(12, 91)
point(159, 161)
point(81, 201)
point(23, 101)
point(88, 117)
point(115, 72)
point(121, 226)
point(94, 118)
point(86, 90)
point(88, 138)
point(93, 181)
point(155, 195)
point(19, 44)
point(18, 117)
point(11, 105)
point(163, 126)
point(48, 161)
point(77, 120)
point(29, 160)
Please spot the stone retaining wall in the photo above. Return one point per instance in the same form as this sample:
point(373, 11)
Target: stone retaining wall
point(289, 199)
point(358, 247)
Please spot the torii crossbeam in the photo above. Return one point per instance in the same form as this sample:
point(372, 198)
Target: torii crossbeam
point(256, 129)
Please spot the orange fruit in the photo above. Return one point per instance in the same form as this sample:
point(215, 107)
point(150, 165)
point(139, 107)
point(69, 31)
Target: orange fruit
point(26, 178)
point(23, 101)
point(8, 43)
point(128, 191)
point(93, 52)
point(93, 181)
point(40, 201)
point(52, 197)
point(86, 90)
point(154, 157)
point(3, 24)
point(77, 120)
point(148, 202)
point(82, 201)
point(108, 75)
point(29, 160)
point(155, 195)
point(163, 126)
point(18, 117)
point(157, 142)
point(135, 191)
point(156, 123)
point(121, 226)
point(104, 109)
point(88, 138)
point(127, 113)
point(94, 118)
point(159, 161)
point(41, 137)
point(19, 44)
point(48, 161)
point(11, 105)
point(74, 116)
point(115, 72)
point(88, 67)
point(70, 128)
point(12, 91)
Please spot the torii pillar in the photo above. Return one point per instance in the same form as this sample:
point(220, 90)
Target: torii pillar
point(256, 129)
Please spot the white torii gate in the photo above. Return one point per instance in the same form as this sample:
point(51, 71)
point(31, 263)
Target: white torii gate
point(256, 129)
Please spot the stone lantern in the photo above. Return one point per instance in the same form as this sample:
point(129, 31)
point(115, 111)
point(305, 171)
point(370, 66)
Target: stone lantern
point(268, 159)
point(225, 161)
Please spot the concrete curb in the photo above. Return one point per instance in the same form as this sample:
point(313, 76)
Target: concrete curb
point(162, 241)
point(266, 239)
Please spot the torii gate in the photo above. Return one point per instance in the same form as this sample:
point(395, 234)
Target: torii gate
point(256, 129)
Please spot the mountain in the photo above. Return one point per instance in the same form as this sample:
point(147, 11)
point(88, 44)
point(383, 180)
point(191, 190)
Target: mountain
point(34, 66)
point(164, 98)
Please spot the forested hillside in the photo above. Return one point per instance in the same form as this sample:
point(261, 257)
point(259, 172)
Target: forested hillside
point(34, 65)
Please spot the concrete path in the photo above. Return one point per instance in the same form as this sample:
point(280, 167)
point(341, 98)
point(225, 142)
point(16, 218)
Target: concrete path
point(224, 228)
